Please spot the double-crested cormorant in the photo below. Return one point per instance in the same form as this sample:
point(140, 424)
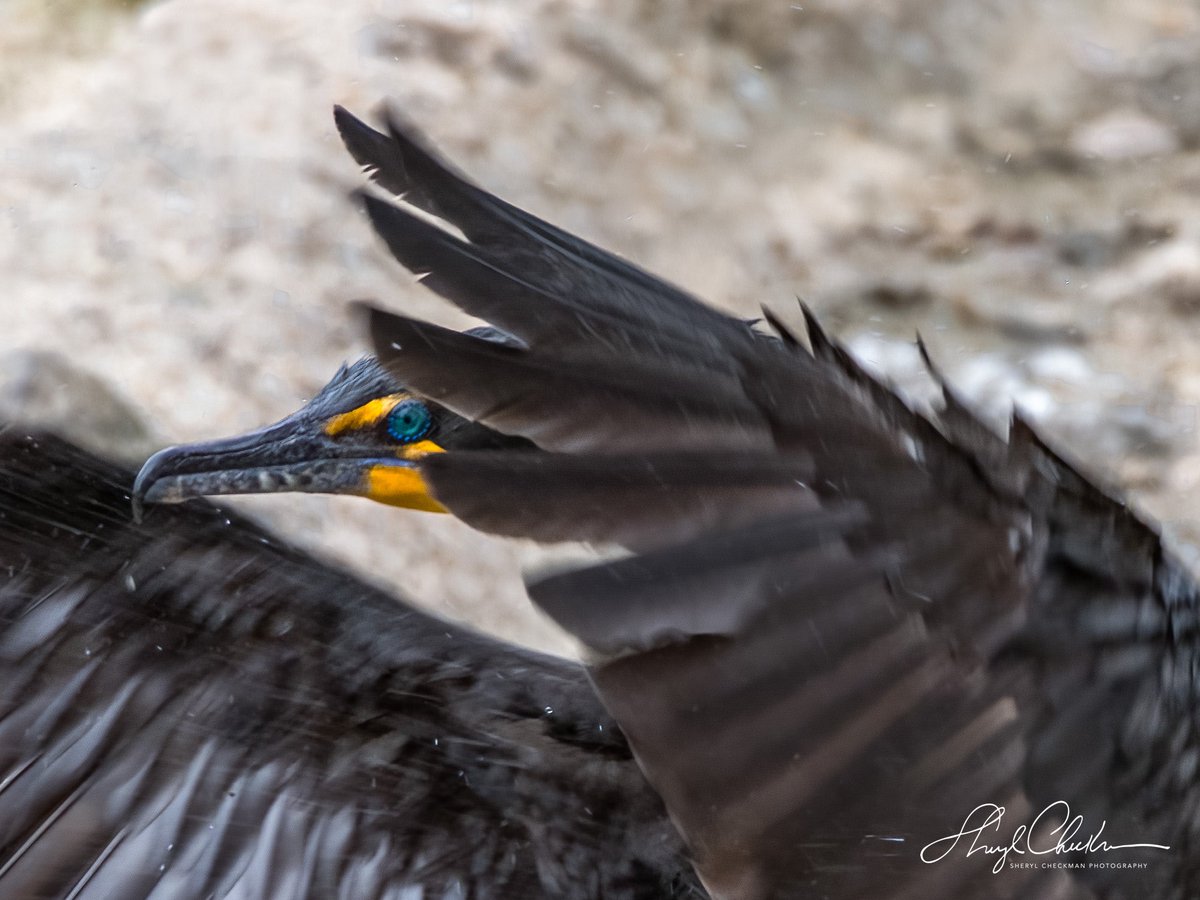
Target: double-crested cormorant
point(849, 632)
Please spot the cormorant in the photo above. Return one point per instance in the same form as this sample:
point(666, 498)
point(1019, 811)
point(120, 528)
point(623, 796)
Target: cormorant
point(849, 632)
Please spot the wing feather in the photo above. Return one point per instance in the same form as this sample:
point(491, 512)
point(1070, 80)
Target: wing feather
point(991, 626)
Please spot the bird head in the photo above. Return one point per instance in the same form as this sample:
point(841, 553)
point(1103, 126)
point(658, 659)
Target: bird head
point(360, 435)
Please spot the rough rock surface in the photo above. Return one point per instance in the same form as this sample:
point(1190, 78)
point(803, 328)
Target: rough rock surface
point(1015, 181)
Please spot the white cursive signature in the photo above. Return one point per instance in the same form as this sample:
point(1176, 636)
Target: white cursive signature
point(1062, 838)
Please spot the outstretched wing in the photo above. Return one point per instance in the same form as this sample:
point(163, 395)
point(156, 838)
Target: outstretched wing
point(190, 709)
point(876, 626)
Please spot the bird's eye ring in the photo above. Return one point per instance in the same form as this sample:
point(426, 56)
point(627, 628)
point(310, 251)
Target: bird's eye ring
point(409, 420)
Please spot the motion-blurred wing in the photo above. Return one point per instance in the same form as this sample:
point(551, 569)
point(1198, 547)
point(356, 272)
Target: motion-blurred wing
point(190, 709)
point(818, 699)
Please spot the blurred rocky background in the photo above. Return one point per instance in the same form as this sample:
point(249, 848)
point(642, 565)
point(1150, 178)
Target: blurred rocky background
point(1017, 181)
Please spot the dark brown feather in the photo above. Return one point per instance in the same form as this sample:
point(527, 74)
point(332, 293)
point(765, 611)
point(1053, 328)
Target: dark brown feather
point(604, 404)
point(607, 297)
point(642, 501)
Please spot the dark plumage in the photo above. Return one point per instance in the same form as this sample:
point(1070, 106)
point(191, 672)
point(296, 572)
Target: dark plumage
point(843, 629)
point(189, 708)
point(978, 623)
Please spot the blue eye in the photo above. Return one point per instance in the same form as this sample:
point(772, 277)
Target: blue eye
point(409, 420)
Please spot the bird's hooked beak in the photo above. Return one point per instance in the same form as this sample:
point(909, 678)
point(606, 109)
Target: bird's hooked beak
point(296, 455)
